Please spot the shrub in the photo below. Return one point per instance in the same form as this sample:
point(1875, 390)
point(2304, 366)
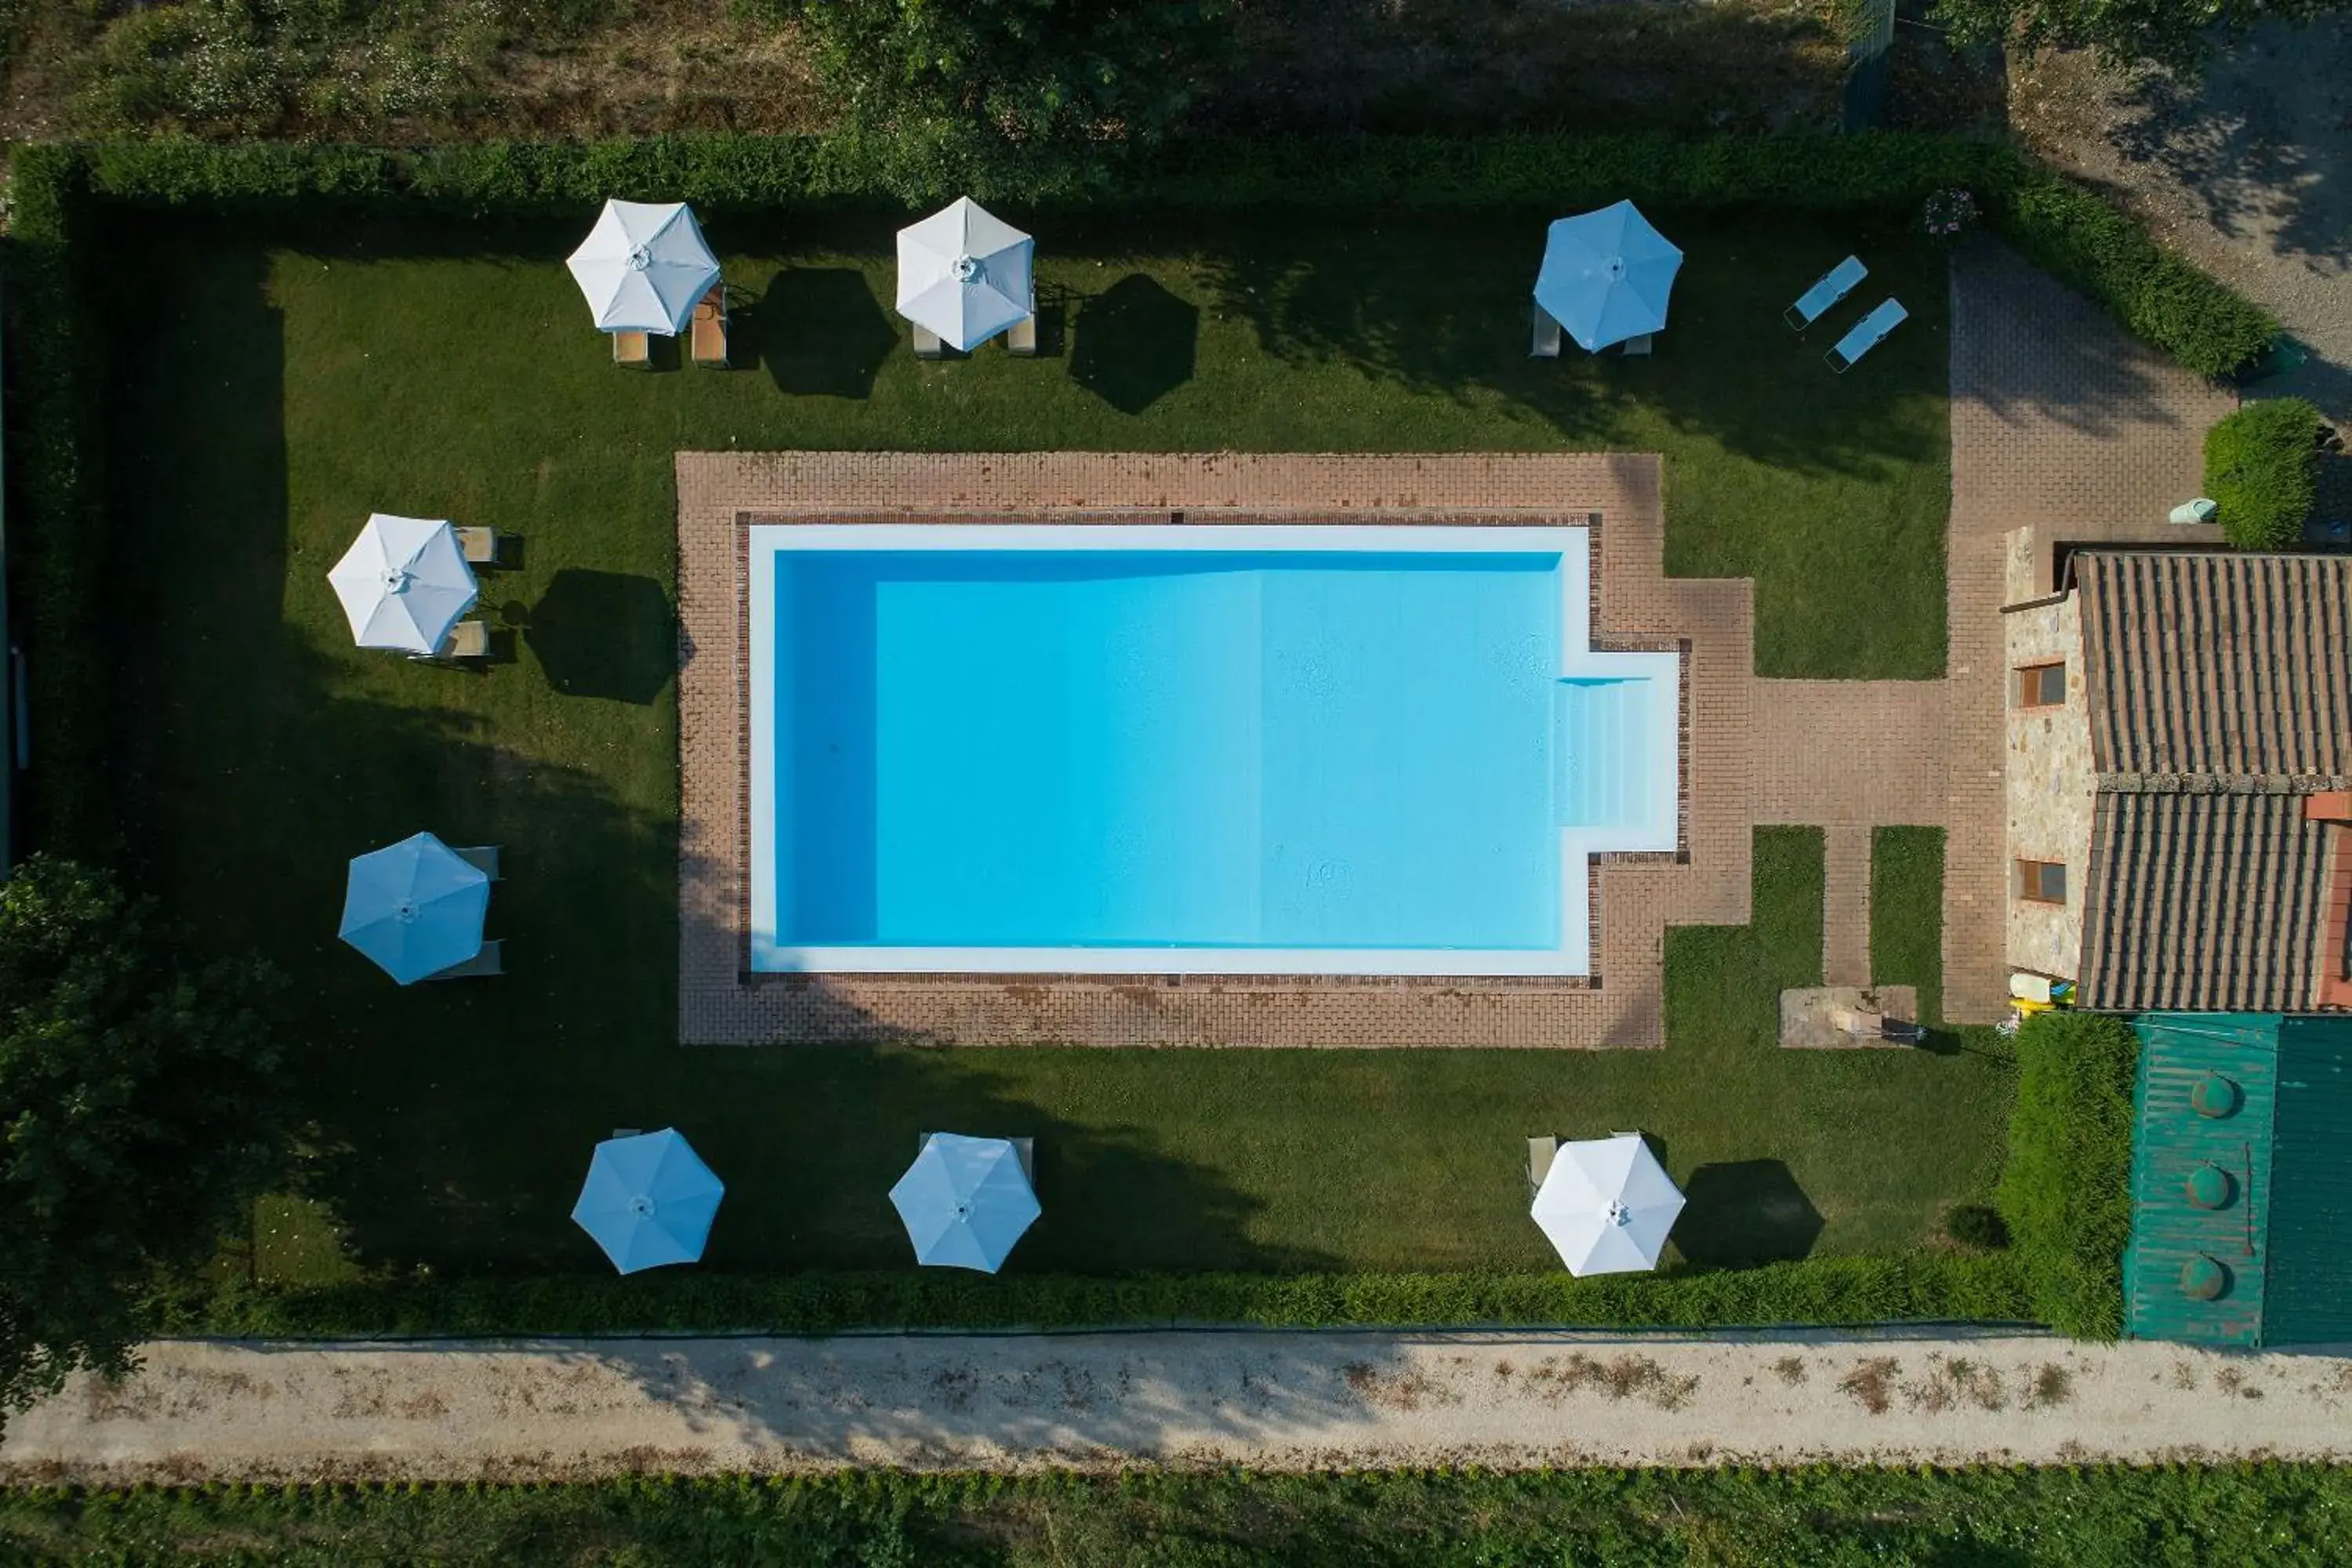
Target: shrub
point(2261, 470)
point(2067, 1194)
point(1977, 1225)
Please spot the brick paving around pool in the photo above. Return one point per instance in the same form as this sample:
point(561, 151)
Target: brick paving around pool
point(720, 495)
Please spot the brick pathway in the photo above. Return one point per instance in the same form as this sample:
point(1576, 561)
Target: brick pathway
point(720, 494)
point(2066, 426)
point(2061, 424)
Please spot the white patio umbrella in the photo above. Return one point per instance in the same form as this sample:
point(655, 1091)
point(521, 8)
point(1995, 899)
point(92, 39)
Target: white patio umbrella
point(1607, 1205)
point(643, 268)
point(963, 273)
point(415, 907)
point(403, 583)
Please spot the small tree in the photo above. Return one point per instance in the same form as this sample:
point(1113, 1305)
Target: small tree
point(2176, 34)
point(2261, 470)
point(1035, 88)
point(143, 1104)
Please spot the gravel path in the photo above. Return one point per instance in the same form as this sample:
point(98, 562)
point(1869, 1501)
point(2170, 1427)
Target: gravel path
point(576, 1408)
point(2249, 174)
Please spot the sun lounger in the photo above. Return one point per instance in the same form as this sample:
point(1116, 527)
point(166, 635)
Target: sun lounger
point(480, 545)
point(482, 858)
point(1833, 285)
point(1865, 336)
point(486, 963)
point(629, 1131)
point(1020, 338)
point(927, 344)
point(710, 328)
point(466, 639)
point(1547, 338)
point(633, 349)
point(1541, 1152)
point(1636, 347)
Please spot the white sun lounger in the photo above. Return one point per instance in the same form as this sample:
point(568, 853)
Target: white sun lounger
point(1546, 343)
point(1835, 285)
point(1866, 335)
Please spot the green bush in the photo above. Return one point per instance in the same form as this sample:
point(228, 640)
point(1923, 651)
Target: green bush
point(2069, 230)
point(1916, 1288)
point(2066, 1193)
point(2261, 470)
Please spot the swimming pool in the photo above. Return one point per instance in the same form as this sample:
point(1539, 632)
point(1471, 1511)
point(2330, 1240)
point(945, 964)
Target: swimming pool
point(1206, 748)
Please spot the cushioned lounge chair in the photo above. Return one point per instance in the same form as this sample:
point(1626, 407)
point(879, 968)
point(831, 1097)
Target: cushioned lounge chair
point(633, 349)
point(1541, 1152)
point(709, 342)
point(1020, 338)
point(466, 639)
point(1833, 286)
point(490, 960)
point(480, 545)
point(1867, 335)
point(1546, 336)
point(482, 858)
point(927, 344)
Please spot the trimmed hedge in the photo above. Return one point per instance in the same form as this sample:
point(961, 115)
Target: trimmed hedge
point(2063, 226)
point(2066, 1193)
point(2261, 470)
point(57, 501)
point(1919, 1288)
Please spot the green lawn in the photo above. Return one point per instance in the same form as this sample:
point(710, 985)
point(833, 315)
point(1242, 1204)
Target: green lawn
point(1906, 913)
point(266, 391)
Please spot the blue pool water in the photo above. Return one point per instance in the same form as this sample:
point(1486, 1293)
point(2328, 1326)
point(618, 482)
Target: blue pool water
point(1184, 749)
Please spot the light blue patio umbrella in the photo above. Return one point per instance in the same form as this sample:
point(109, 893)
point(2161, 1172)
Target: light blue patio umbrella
point(965, 1201)
point(415, 908)
point(648, 1200)
point(1606, 275)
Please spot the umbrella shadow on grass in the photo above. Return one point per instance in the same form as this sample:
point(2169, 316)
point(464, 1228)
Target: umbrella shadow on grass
point(820, 331)
point(604, 634)
point(1134, 343)
point(1745, 1212)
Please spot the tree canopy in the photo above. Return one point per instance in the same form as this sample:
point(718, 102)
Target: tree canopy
point(988, 81)
point(144, 1102)
point(2176, 34)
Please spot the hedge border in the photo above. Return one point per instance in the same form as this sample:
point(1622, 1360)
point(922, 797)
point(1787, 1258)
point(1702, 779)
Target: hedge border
point(1924, 1286)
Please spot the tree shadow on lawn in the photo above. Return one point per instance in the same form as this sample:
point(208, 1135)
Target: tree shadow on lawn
point(1442, 305)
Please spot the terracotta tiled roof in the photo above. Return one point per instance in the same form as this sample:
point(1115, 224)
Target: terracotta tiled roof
point(2202, 903)
point(2220, 665)
point(2220, 697)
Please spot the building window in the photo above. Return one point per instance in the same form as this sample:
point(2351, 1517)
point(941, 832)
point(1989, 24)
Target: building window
point(2042, 881)
point(2041, 685)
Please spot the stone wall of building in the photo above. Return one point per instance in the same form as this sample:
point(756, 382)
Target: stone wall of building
point(2050, 788)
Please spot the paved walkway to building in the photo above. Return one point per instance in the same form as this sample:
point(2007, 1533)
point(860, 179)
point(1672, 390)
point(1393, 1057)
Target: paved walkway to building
point(572, 1409)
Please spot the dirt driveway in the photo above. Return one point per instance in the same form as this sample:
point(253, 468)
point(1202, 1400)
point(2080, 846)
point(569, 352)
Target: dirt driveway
point(571, 1409)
